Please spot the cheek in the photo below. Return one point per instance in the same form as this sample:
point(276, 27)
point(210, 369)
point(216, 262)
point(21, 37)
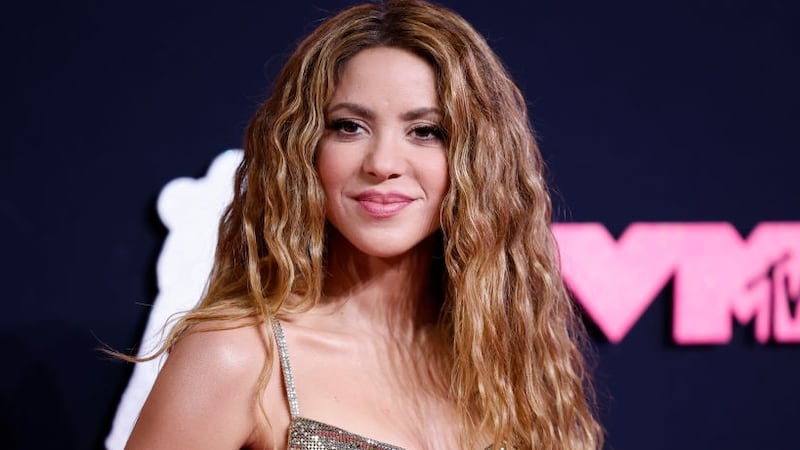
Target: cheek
point(439, 176)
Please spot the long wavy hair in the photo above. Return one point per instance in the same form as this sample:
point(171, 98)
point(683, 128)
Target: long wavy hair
point(514, 341)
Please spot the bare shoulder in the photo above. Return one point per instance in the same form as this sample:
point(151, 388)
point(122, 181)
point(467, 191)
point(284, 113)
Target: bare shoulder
point(206, 394)
point(228, 354)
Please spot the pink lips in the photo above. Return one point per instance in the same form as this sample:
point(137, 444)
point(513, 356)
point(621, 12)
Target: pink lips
point(380, 205)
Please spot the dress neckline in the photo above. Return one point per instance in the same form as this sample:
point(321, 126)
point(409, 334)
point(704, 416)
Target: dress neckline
point(303, 428)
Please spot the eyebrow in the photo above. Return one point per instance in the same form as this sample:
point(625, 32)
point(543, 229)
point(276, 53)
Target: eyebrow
point(420, 113)
point(368, 114)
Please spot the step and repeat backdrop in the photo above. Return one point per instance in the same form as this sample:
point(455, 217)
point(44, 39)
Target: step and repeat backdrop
point(670, 131)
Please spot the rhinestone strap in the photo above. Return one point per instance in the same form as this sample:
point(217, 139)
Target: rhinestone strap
point(288, 381)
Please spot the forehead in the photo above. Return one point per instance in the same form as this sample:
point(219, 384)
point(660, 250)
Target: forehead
point(386, 73)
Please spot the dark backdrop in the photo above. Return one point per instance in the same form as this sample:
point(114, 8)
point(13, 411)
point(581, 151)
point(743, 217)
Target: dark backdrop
point(647, 111)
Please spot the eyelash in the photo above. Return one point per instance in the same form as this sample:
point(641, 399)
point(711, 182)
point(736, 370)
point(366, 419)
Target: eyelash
point(435, 131)
point(432, 130)
point(340, 124)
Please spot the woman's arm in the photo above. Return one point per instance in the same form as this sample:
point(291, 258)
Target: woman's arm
point(206, 395)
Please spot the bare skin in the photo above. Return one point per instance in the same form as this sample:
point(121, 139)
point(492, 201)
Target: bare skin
point(362, 357)
point(348, 373)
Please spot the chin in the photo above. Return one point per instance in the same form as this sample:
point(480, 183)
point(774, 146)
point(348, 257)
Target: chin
point(385, 246)
point(394, 241)
point(386, 250)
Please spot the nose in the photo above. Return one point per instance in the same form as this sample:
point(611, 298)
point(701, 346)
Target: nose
point(384, 157)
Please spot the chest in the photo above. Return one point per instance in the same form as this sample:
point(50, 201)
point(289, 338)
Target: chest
point(385, 395)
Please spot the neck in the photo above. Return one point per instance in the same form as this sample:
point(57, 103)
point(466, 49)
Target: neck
point(381, 295)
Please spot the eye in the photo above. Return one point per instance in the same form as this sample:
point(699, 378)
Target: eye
point(346, 127)
point(428, 132)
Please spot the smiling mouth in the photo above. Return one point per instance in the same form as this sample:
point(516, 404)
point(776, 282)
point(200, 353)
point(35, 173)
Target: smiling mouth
point(383, 205)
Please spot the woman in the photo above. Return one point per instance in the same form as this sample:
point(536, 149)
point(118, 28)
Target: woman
point(385, 268)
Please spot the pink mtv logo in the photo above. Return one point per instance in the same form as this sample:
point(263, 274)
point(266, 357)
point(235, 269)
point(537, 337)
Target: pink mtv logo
point(718, 277)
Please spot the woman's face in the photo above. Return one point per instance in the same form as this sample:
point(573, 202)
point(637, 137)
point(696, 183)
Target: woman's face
point(382, 159)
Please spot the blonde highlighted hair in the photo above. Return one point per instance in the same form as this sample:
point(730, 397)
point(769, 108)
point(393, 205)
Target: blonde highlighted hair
point(517, 371)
